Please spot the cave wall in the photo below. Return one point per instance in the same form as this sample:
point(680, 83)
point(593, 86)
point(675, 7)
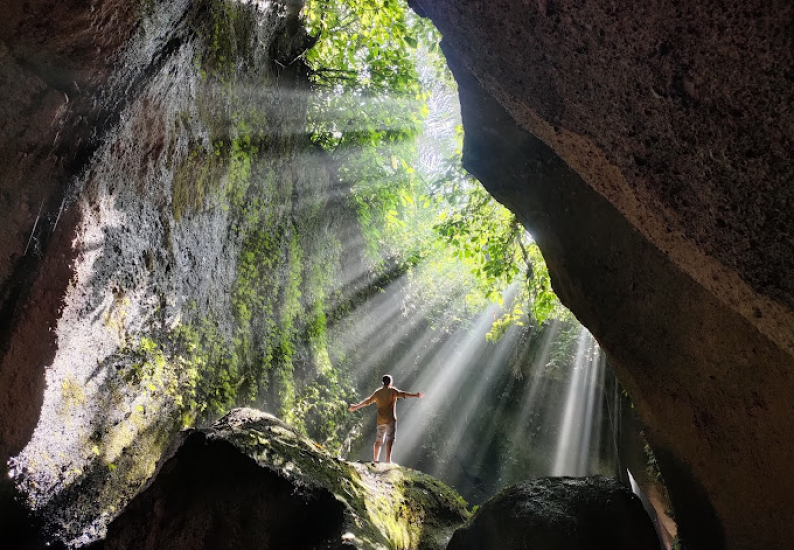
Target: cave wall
point(55, 58)
point(170, 240)
point(646, 147)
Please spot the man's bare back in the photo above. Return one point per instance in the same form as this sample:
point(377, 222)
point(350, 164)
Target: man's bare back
point(386, 401)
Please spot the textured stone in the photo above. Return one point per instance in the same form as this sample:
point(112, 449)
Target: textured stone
point(54, 59)
point(679, 113)
point(646, 147)
point(112, 108)
point(559, 514)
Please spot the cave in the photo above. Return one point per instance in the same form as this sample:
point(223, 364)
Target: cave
point(646, 146)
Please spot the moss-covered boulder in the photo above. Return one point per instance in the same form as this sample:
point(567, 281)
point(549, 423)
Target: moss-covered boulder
point(252, 481)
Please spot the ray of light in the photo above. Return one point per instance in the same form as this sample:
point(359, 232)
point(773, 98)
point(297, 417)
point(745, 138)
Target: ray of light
point(579, 408)
point(442, 382)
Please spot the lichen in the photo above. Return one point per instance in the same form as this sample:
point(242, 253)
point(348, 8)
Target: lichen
point(72, 393)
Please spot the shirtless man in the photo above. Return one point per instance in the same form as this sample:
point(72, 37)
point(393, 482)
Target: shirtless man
point(386, 399)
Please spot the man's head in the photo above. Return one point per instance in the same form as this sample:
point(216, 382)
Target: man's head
point(386, 380)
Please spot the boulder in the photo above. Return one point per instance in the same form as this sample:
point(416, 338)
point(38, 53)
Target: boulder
point(594, 513)
point(252, 482)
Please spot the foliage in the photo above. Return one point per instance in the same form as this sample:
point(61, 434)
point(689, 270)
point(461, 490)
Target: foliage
point(652, 466)
point(421, 221)
point(363, 45)
point(498, 250)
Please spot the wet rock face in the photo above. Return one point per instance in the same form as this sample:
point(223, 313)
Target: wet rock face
point(644, 148)
point(55, 58)
point(252, 482)
point(559, 514)
point(163, 203)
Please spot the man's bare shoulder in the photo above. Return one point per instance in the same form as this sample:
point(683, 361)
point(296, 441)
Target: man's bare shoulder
point(387, 393)
point(381, 393)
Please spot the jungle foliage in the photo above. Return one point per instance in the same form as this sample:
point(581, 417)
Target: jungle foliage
point(377, 67)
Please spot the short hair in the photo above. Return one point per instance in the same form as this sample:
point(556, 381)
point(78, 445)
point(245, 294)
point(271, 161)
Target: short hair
point(386, 379)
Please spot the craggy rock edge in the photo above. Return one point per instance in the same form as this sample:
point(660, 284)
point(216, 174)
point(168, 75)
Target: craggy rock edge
point(562, 512)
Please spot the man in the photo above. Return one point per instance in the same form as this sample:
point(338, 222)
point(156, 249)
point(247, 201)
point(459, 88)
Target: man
point(386, 399)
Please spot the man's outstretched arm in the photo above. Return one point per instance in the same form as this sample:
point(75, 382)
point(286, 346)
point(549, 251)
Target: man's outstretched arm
point(418, 394)
point(368, 401)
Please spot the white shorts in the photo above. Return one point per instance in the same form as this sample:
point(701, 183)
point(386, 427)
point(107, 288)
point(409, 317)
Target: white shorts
point(386, 432)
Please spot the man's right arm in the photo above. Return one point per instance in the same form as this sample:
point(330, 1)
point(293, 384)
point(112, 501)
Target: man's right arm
point(368, 401)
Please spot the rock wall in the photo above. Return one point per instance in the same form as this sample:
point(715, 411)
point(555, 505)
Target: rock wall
point(56, 58)
point(645, 147)
point(187, 242)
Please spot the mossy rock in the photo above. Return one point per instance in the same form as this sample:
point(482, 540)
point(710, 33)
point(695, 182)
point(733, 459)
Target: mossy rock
point(252, 481)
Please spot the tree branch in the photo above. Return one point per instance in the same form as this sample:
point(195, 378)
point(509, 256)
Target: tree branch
point(517, 236)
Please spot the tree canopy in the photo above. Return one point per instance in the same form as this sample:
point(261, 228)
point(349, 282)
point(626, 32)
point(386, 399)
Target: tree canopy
point(380, 72)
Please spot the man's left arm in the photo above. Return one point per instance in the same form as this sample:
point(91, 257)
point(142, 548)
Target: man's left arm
point(408, 394)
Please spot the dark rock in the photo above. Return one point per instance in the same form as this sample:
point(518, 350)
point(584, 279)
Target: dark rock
point(559, 514)
point(252, 482)
point(646, 147)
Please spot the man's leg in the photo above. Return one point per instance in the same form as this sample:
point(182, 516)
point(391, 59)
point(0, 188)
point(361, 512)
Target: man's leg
point(391, 432)
point(376, 450)
point(379, 433)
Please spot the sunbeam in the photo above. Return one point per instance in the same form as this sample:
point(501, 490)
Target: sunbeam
point(579, 409)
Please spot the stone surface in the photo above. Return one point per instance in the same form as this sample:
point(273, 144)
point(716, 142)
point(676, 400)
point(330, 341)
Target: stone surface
point(55, 58)
point(680, 114)
point(647, 149)
point(252, 482)
point(559, 514)
point(183, 188)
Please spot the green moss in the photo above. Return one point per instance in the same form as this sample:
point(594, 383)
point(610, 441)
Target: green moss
point(72, 394)
point(212, 369)
point(227, 28)
point(237, 128)
point(198, 176)
point(275, 354)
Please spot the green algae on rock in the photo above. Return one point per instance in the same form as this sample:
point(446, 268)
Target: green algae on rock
point(252, 481)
